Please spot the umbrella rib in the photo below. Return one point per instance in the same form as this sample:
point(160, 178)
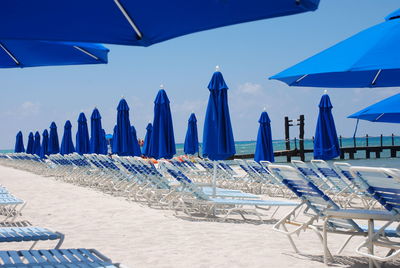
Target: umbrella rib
point(9, 54)
point(379, 116)
point(376, 77)
point(128, 18)
point(86, 52)
point(301, 78)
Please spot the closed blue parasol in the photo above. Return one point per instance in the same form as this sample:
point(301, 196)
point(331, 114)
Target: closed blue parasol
point(44, 149)
point(67, 147)
point(54, 146)
point(82, 135)
point(387, 110)
point(19, 143)
point(95, 133)
point(32, 53)
point(326, 144)
point(104, 143)
point(147, 140)
point(191, 145)
point(36, 144)
point(135, 143)
point(218, 142)
point(139, 23)
point(29, 147)
point(114, 140)
point(162, 143)
point(264, 148)
point(370, 58)
point(122, 142)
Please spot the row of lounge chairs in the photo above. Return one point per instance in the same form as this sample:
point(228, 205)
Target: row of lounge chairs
point(328, 198)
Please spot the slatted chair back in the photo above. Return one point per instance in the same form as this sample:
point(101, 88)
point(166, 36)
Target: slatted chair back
point(331, 174)
point(311, 174)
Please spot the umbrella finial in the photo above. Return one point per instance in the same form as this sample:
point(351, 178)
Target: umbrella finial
point(265, 109)
point(162, 86)
point(325, 92)
point(217, 68)
point(122, 97)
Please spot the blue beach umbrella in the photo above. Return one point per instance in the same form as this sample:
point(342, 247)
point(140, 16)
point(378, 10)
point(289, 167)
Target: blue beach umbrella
point(32, 53)
point(54, 146)
point(82, 135)
point(147, 140)
point(162, 143)
point(29, 147)
point(95, 133)
point(191, 145)
point(387, 111)
point(114, 140)
point(104, 143)
point(326, 144)
point(122, 141)
point(44, 149)
point(139, 23)
point(36, 144)
point(218, 142)
point(19, 143)
point(135, 143)
point(370, 58)
point(264, 148)
point(67, 147)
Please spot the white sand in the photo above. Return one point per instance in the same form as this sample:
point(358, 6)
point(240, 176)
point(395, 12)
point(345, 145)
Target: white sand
point(138, 236)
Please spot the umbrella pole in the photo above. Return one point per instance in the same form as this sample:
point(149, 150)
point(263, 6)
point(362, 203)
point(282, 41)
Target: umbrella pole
point(214, 183)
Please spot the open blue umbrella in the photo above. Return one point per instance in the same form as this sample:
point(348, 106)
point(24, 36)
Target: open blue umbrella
point(370, 58)
point(387, 111)
point(264, 148)
point(82, 135)
point(29, 147)
point(147, 140)
point(162, 143)
point(54, 146)
point(32, 53)
point(44, 149)
point(19, 143)
point(122, 142)
point(67, 147)
point(218, 142)
point(95, 133)
point(191, 145)
point(135, 143)
point(36, 144)
point(326, 143)
point(140, 23)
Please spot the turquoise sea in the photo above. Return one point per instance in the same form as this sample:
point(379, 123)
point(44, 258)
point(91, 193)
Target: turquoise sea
point(248, 147)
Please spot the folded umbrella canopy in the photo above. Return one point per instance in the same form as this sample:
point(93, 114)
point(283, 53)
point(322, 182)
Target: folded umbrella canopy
point(36, 144)
point(95, 133)
point(122, 140)
point(135, 143)
point(218, 142)
point(370, 58)
point(162, 143)
point(147, 140)
point(82, 135)
point(19, 143)
point(326, 143)
point(387, 111)
point(54, 146)
point(104, 143)
point(44, 150)
point(133, 22)
point(67, 147)
point(264, 148)
point(29, 147)
point(191, 145)
point(32, 53)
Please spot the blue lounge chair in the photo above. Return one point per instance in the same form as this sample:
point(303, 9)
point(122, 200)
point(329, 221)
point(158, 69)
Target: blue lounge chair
point(29, 234)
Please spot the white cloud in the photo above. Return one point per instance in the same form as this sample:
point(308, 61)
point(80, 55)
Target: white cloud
point(249, 88)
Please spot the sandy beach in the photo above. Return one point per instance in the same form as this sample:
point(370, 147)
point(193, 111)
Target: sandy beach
point(138, 236)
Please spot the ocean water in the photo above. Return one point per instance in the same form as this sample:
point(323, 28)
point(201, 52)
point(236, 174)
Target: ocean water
point(248, 147)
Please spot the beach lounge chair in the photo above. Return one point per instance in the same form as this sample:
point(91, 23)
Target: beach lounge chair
point(55, 258)
point(29, 234)
point(195, 200)
point(317, 205)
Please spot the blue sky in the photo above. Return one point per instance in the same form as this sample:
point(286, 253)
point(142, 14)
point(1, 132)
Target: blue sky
point(247, 53)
